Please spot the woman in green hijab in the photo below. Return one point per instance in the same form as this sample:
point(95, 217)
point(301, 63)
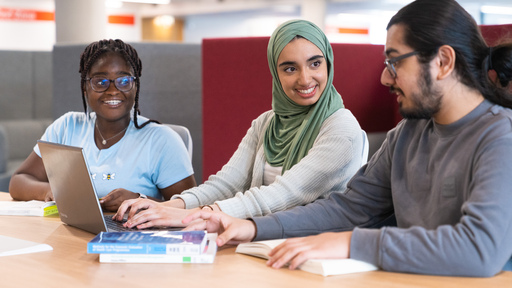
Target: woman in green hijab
point(306, 147)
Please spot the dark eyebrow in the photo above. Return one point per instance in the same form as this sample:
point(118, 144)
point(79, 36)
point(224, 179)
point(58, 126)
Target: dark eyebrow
point(286, 63)
point(389, 51)
point(315, 58)
point(98, 74)
point(104, 74)
point(124, 73)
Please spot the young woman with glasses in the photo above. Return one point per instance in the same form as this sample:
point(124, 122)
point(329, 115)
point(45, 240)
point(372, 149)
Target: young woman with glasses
point(129, 156)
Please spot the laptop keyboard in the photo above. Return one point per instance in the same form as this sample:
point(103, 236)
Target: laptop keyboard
point(116, 226)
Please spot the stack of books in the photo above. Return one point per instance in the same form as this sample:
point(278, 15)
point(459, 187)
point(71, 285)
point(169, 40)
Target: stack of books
point(28, 208)
point(154, 247)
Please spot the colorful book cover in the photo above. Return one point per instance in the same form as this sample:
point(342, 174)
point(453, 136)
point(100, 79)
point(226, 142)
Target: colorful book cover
point(149, 242)
point(207, 257)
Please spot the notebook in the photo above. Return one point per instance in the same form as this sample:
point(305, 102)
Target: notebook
point(73, 189)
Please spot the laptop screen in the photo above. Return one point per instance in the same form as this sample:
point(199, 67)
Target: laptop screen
point(73, 190)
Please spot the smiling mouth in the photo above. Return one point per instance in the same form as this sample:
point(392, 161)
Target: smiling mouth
point(394, 90)
point(307, 92)
point(112, 102)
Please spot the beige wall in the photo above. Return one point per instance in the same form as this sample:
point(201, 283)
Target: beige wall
point(153, 32)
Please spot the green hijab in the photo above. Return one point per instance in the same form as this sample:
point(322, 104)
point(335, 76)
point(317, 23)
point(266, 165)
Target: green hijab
point(294, 128)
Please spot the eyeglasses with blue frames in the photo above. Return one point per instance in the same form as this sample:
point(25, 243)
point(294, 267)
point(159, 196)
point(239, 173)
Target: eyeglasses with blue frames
point(390, 62)
point(101, 84)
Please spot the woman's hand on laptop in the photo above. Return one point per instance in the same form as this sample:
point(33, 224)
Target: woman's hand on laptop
point(113, 200)
point(160, 215)
point(132, 206)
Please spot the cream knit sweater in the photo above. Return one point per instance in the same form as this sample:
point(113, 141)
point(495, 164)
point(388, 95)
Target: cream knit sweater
point(237, 188)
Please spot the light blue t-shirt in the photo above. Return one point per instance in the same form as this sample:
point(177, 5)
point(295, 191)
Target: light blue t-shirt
point(142, 161)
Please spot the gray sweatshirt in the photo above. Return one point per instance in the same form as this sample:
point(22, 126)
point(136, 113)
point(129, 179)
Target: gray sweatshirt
point(449, 187)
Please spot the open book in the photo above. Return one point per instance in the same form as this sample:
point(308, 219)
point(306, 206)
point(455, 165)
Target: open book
point(28, 208)
point(323, 267)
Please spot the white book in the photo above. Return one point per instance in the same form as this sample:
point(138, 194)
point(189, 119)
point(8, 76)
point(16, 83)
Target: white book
point(208, 256)
point(28, 208)
point(14, 246)
point(323, 267)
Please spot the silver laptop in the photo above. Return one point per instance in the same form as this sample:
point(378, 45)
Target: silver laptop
point(73, 190)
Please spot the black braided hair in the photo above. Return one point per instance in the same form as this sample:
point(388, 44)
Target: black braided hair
point(92, 53)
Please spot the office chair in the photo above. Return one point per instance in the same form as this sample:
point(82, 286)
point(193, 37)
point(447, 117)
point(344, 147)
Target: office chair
point(185, 136)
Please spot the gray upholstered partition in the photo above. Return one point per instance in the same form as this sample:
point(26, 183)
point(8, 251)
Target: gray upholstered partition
point(26, 83)
point(170, 86)
point(25, 106)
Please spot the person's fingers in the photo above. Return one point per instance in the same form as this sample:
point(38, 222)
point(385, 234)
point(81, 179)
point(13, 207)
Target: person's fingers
point(103, 199)
point(156, 220)
point(197, 224)
point(224, 237)
point(137, 205)
point(298, 259)
point(138, 219)
point(110, 206)
point(109, 197)
point(145, 225)
point(123, 209)
point(284, 253)
point(205, 215)
point(233, 232)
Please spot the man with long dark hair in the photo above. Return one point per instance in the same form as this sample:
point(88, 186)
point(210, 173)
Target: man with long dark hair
point(444, 173)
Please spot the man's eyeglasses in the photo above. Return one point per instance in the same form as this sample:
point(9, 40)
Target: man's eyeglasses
point(101, 84)
point(390, 62)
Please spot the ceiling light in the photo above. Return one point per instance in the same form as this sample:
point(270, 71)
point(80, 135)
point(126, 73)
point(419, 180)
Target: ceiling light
point(149, 1)
point(113, 4)
point(165, 21)
point(496, 10)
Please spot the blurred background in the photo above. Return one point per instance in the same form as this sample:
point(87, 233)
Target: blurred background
point(40, 24)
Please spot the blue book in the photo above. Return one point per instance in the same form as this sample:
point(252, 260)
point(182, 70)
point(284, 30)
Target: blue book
point(149, 242)
point(207, 257)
